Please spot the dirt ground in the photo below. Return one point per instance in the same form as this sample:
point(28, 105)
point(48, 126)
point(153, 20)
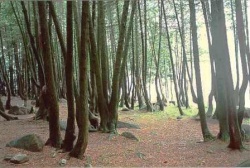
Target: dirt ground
point(164, 142)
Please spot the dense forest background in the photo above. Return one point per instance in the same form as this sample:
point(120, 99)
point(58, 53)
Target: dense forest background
point(101, 55)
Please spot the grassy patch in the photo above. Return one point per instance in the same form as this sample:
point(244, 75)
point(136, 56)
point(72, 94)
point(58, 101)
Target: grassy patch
point(169, 112)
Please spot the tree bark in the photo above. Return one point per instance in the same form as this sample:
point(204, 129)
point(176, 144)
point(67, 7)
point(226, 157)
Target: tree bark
point(205, 131)
point(82, 111)
point(70, 130)
point(54, 129)
point(245, 75)
point(226, 102)
point(113, 104)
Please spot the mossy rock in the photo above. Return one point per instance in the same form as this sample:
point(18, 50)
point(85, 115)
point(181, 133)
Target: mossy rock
point(30, 142)
point(129, 135)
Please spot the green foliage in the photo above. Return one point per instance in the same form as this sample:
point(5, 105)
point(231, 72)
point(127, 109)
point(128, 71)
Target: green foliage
point(8, 22)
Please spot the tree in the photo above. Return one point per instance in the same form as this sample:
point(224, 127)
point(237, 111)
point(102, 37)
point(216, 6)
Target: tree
point(226, 103)
point(70, 130)
point(113, 105)
point(207, 18)
point(243, 56)
point(82, 110)
point(144, 61)
point(205, 131)
point(54, 129)
point(172, 61)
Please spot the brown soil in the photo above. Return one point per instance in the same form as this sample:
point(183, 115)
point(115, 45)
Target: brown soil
point(163, 142)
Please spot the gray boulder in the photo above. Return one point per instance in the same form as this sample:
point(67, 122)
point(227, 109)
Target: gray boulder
point(244, 164)
point(30, 142)
point(19, 159)
point(63, 125)
point(16, 110)
point(246, 128)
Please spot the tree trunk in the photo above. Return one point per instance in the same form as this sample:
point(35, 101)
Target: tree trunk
point(144, 57)
point(184, 55)
point(113, 104)
point(70, 130)
point(205, 131)
point(226, 102)
point(54, 129)
point(82, 111)
point(245, 75)
point(4, 73)
point(213, 84)
point(172, 61)
point(95, 66)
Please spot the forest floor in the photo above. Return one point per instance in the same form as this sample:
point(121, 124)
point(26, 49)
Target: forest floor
point(164, 141)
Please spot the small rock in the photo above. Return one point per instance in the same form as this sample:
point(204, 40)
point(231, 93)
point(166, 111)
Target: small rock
point(19, 159)
point(87, 165)
point(179, 118)
point(125, 109)
point(53, 155)
point(129, 135)
point(8, 157)
point(140, 155)
point(210, 151)
point(62, 162)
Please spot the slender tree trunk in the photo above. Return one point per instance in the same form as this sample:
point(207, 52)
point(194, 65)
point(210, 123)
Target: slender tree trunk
point(4, 73)
point(70, 130)
point(102, 47)
point(54, 129)
point(82, 111)
point(113, 104)
point(32, 43)
point(137, 67)
point(205, 131)
point(144, 56)
point(125, 53)
point(245, 75)
point(185, 55)
point(213, 84)
point(95, 66)
point(172, 60)
point(236, 48)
